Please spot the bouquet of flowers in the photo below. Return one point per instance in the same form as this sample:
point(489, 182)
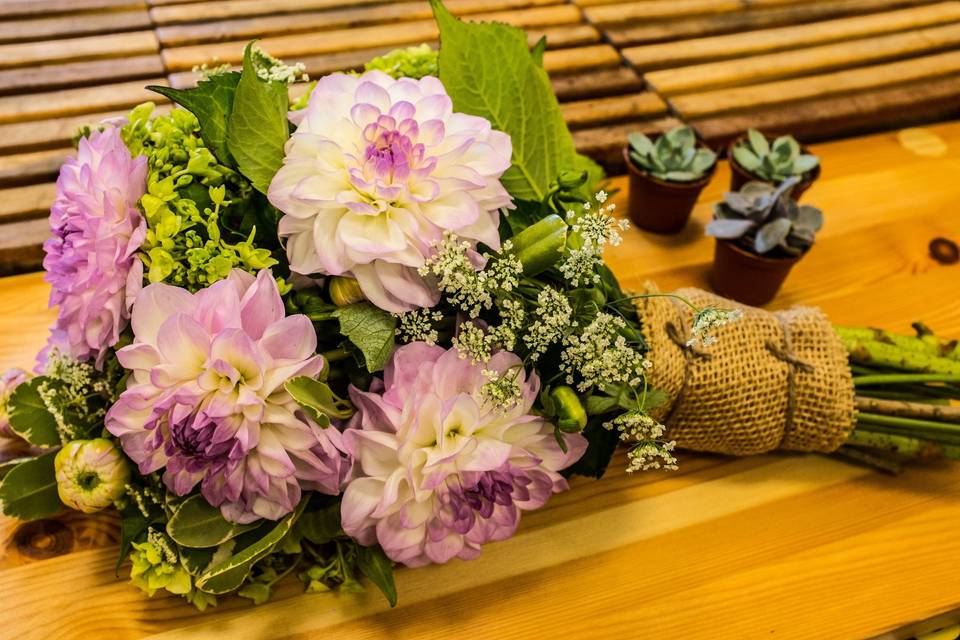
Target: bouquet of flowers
point(373, 326)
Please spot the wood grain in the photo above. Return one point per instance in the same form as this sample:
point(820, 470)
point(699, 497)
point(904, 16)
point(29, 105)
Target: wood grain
point(73, 102)
point(102, 46)
point(792, 547)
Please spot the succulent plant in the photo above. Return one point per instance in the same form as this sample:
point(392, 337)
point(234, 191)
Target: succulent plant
point(674, 157)
point(762, 218)
point(774, 161)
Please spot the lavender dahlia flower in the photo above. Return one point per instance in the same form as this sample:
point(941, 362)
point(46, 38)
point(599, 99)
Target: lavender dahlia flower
point(91, 257)
point(377, 170)
point(206, 401)
point(442, 469)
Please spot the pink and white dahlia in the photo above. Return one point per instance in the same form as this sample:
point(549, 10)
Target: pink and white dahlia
point(91, 256)
point(442, 470)
point(375, 173)
point(206, 402)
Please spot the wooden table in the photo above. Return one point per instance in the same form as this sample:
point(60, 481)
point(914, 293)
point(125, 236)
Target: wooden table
point(773, 546)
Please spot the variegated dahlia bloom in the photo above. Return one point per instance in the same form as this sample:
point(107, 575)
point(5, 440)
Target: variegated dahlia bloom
point(91, 259)
point(443, 470)
point(375, 173)
point(206, 402)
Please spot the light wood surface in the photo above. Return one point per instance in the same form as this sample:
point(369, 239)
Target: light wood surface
point(780, 546)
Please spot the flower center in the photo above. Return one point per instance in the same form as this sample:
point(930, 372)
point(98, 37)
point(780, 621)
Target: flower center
point(192, 438)
point(87, 480)
point(391, 153)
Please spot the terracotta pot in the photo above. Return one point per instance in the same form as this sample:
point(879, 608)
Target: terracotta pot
point(660, 206)
point(747, 277)
point(740, 176)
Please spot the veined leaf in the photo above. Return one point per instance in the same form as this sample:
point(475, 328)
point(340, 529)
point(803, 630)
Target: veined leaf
point(257, 128)
point(29, 490)
point(228, 575)
point(489, 71)
point(371, 330)
point(211, 101)
point(199, 525)
point(29, 417)
point(375, 564)
point(318, 399)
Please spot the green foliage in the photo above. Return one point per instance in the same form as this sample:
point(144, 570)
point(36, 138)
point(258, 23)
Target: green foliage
point(188, 196)
point(775, 161)
point(197, 524)
point(601, 445)
point(411, 62)
point(29, 490)
point(674, 156)
point(211, 101)
point(157, 565)
point(371, 330)
point(258, 128)
point(318, 400)
point(375, 564)
point(229, 574)
point(29, 417)
point(489, 71)
point(763, 218)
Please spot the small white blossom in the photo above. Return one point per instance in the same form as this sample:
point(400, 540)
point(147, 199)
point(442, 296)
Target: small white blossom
point(597, 229)
point(652, 455)
point(274, 70)
point(706, 321)
point(636, 425)
point(473, 343)
point(511, 322)
point(580, 266)
point(73, 384)
point(418, 325)
point(553, 321)
point(502, 390)
point(601, 355)
point(464, 285)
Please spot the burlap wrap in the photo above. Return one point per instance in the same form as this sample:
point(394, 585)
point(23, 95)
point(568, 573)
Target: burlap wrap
point(771, 381)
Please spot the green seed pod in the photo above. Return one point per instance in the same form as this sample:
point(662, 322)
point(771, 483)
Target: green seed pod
point(345, 291)
point(572, 416)
point(541, 245)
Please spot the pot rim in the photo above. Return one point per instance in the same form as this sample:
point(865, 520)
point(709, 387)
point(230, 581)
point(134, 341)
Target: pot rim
point(635, 170)
point(806, 178)
point(769, 263)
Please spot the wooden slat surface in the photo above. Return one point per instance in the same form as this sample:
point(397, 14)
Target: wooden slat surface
point(788, 547)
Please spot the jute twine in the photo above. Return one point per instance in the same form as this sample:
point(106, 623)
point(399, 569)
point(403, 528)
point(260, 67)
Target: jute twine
point(771, 381)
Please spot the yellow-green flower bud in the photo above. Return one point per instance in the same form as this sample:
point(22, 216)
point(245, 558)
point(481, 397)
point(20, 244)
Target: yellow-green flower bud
point(91, 474)
point(345, 291)
point(572, 417)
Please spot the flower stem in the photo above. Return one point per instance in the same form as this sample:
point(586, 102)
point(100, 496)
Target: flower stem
point(909, 424)
point(901, 378)
point(905, 409)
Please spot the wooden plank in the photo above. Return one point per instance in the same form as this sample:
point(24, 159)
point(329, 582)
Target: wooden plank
point(604, 13)
point(264, 25)
point(73, 74)
point(56, 132)
point(74, 102)
point(31, 167)
point(611, 109)
point(22, 203)
point(19, 8)
point(794, 90)
point(714, 48)
point(596, 83)
point(73, 25)
point(862, 112)
point(116, 45)
point(20, 245)
point(342, 40)
point(786, 64)
point(232, 9)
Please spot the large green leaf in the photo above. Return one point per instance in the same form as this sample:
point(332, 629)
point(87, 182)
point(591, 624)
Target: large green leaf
point(318, 400)
point(371, 330)
point(29, 490)
point(29, 417)
point(375, 564)
point(199, 525)
point(211, 101)
point(489, 71)
point(228, 575)
point(321, 526)
point(258, 128)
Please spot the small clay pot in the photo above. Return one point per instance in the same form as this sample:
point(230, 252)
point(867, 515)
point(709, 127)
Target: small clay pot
point(658, 205)
point(747, 277)
point(740, 176)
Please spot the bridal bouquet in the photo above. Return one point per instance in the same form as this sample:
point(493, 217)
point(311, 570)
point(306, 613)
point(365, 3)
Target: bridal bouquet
point(370, 327)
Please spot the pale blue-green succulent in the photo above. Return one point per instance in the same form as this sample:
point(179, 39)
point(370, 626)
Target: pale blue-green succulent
point(762, 218)
point(773, 161)
point(674, 156)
